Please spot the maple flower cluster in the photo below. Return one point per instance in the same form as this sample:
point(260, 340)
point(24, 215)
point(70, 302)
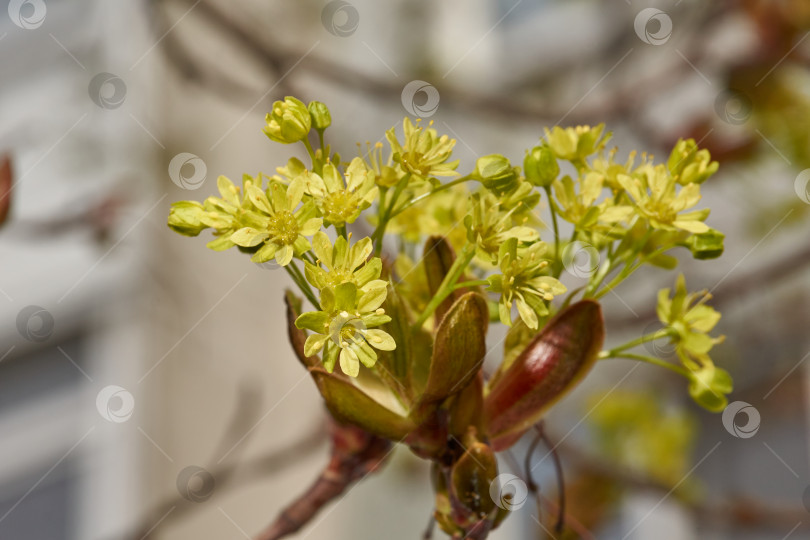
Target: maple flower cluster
point(513, 231)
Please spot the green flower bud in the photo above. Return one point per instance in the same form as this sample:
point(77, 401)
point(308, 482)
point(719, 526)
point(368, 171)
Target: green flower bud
point(496, 173)
point(540, 166)
point(709, 386)
point(321, 119)
point(708, 245)
point(288, 122)
point(185, 218)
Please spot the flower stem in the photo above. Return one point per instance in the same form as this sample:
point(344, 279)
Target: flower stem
point(429, 193)
point(448, 284)
point(554, 223)
point(310, 151)
point(647, 359)
point(386, 215)
point(298, 278)
point(472, 283)
point(659, 334)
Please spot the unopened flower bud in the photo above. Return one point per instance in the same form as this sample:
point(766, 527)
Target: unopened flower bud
point(288, 122)
point(496, 173)
point(321, 119)
point(540, 166)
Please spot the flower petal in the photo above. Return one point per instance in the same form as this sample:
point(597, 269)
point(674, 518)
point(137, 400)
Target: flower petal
point(381, 340)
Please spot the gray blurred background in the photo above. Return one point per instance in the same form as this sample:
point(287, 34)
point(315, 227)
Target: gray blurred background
point(146, 384)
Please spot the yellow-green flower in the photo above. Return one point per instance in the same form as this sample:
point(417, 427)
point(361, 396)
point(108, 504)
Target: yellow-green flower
point(688, 321)
point(524, 280)
point(283, 228)
point(387, 172)
point(655, 196)
point(489, 226)
point(344, 328)
point(344, 264)
point(424, 153)
point(577, 143)
point(288, 122)
point(247, 218)
point(293, 169)
point(579, 206)
point(341, 199)
point(689, 165)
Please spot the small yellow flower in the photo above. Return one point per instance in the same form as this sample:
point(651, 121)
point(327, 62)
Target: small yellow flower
point(345, 327)
point(654, 194)
point(577, 143)
point(247, 218)
point(284, 229)
point(341, 198)
point(688, 321)
point(524, 279)
point(343, 263)
point(489, 226)
point(580, 207)
point(690, 165)
point(424, 153)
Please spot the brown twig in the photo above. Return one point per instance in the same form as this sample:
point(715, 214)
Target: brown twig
point(6, 183)
point(355, 454)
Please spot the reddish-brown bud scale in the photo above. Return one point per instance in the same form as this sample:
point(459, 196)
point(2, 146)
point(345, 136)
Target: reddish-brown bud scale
point(548, 368)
